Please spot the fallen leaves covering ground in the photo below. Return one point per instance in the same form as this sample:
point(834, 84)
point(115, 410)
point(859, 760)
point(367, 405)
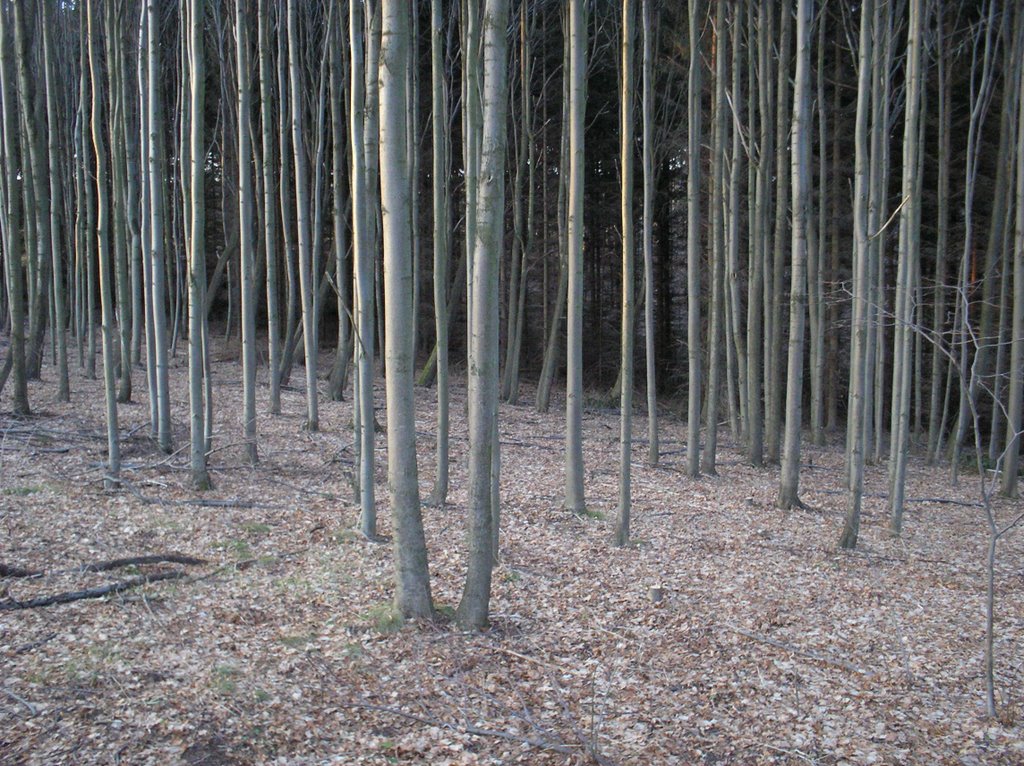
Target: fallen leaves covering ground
point(769, 646)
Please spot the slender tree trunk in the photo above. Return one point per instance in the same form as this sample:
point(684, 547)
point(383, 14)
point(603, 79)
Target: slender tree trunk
point(412, 580)
point(247, 245)
point(574, 492)
point(858, 346)
point(103, 246)
point(363, 257)
point(196, 242)
point(801, 182)
point(307, 285)
point(12, 221)
point(648, 233)
point(626, 96)
point(1015, 400)
point(441, 206)
point(693, 243)
point(483, 377)
point(56, 204)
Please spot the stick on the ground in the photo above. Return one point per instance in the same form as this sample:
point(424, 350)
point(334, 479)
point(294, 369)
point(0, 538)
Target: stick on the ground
point(812, 655)
point(67, 597)
point(6, 570)
point(469, 729)
point(28, 705)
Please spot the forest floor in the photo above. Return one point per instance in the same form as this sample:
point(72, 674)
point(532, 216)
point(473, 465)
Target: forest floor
point(769, 645)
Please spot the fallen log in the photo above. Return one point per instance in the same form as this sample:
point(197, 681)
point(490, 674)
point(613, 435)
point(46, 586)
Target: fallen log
point(11, 604)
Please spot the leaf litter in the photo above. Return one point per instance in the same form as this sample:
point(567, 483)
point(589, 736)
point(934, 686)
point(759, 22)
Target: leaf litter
point(729, 632)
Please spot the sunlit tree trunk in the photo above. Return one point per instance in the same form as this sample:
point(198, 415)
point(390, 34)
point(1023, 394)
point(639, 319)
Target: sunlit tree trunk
point(574, 492)
point(246, 242)
point(412, 580)
point(307, 284)
point(363, 257)
point(103, 246)
point(441, 207)
point(196, 241)
point(483, 353)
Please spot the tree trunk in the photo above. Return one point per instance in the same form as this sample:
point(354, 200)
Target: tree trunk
point(483, 353)
point(858, 346)
point(693, 243)
point(574, 492)
point(626, 96)
point(412, 580)
point(801, 184)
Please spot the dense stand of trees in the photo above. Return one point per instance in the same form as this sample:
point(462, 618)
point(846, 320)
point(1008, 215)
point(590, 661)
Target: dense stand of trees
point(830, 201)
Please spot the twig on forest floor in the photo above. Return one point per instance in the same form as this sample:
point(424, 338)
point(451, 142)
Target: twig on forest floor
point(794, 753)
point(28, 705)
point(467, 728)
point(35, 644)
point(809, 654)
point(200, 502)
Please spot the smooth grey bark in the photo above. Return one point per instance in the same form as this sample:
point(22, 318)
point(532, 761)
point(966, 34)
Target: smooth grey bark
point(693, 242)
point(113, 475)
point(716, 328)
point(157, 314)
point(412, 578)
point(734, 299)
point(858, 345)
point(775, 296)
point(800, 154)
point(195, 241)
point(13, 218)
point(574, 492)
point(307, 285)
point(441, 169)
point(816, 258)
point(55, 204)
point(1015, 395)
point(339, 214)
point(270, 238)
point(363, 258)
point(648, 232)
point(758, 227)
point(472, 612)
point(246, 242)
point(626, 96)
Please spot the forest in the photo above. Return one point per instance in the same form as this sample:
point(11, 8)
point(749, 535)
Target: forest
point(511, 381)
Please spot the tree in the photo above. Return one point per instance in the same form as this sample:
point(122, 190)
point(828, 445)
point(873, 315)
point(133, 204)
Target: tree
point(412, 579)
point(196, 242)
point(483, 352)
point(648, 234)
point(858, 413)
point(441, 207)
point(628, 311)
point(363, 257)
point(693, 244)
point(307, 272)
point(574, 493)
point(247, 245)
point(103, 248)
point(12, 227)
point(1008, 483)
point(801, 171)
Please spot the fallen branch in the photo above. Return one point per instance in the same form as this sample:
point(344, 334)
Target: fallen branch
point(6, 570)
point(67, 597)
point(201, 502)
point(28, 705)
point(809, 654)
